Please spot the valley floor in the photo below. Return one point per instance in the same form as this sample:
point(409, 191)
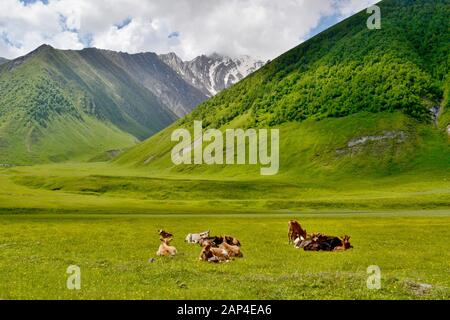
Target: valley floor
point(114, 252)
point(105, 221)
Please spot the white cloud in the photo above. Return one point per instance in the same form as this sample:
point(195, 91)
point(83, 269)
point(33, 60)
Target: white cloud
point(261, 28)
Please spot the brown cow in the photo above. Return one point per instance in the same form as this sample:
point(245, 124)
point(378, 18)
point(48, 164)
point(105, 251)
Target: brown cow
point(233, 250)
point(232, 241)
point(345, 244)
point(212, 254)
point(165, 249)
point(295, 231)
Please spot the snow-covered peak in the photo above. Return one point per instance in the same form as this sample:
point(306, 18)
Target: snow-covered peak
point(213, 73)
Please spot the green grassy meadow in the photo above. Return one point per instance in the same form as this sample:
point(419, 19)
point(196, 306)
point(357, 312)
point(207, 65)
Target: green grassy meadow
point(113, 252)
point(391, 197)
point(105, 218)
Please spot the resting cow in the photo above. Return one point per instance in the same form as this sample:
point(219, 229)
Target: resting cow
point(232, 241)
point(212, 254)
point(196, 237)
point(165, 249)
point(345, 244)
point(233, 250)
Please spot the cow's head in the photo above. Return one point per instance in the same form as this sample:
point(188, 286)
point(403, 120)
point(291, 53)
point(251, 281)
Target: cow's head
point(346, 242)
point(204, 234)
point(205, 242)
point(315, 237)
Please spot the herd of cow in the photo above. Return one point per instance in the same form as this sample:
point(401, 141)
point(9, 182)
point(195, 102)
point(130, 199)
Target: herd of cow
point(214, 249)
point(224, 248)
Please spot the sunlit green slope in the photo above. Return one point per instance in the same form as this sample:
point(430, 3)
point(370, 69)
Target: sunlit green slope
point(70, 105)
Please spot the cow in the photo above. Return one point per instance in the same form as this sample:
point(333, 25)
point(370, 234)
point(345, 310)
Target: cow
point(232, 241)
point(165, 235)
point(165, 249)
point(196, 237)
point(295, 231)
point(345, 244)
point(233, 250)
point(211, 254)
point(205, 241)
point(213, 241)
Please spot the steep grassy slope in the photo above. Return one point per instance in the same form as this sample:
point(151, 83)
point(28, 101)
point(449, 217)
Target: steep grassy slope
point(323, 151)
point(58, 105)
point(156, 76)
point(346, 84)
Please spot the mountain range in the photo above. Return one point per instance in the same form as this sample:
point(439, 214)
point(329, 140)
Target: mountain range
point(348, 101)
point(3, 60)
point(213, 73)
point(58, 105)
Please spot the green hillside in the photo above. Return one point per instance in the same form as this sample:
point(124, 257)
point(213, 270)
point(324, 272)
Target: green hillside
point(348, 83)
point(60, 105)
point(350, 68)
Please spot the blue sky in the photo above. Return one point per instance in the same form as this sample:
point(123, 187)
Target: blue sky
point(325, 23)
point(260, 28)
point(33, 1)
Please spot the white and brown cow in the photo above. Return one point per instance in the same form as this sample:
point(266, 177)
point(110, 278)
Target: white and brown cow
point(211, 254)
point(196, 237)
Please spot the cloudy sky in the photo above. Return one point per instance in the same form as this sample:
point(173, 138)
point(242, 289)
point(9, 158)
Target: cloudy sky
point(260, 28)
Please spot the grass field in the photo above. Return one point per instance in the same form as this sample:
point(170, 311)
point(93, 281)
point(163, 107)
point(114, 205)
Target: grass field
point(411, 248)
point(105, 219)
